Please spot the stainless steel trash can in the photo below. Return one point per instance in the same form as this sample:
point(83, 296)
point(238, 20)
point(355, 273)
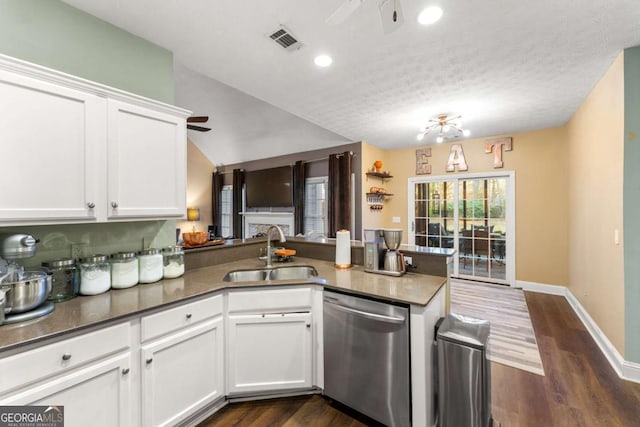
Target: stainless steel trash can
point(464, 373)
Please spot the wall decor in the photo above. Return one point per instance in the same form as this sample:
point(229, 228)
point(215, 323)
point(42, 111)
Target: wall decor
point(497, 146)
point(422, 161)
point(456, 162)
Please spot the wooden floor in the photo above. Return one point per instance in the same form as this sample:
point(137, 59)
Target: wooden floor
point(579, 388)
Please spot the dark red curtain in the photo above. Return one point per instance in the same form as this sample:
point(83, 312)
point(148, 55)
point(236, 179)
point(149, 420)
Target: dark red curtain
point(238, 185)
point(339, 209)
point(217, 184)
point(299, 176)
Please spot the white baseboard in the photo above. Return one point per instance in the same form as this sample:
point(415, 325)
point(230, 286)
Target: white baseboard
point(626, 370)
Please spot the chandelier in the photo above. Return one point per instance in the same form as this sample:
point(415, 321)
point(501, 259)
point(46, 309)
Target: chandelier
point(448, 128)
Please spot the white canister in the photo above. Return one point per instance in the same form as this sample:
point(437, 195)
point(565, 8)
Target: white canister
point(173, 262)
point(124, 270)
point(150, 263)
point(95, 274)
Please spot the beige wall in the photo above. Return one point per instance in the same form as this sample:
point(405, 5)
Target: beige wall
point(372, 218)
point(539, 159)
point(596, 263)
point(199, 186)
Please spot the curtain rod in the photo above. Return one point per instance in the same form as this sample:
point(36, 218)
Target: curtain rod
point(319, 159)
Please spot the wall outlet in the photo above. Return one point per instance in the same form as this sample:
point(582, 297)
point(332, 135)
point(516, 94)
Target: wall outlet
point(395, 220)
point(78, 250)
point(408, 260)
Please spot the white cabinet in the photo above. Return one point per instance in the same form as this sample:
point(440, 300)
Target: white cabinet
point(75, 151)
point(90, 375)
point(52, 140)
point(269, 352)
point(270, 340)
point(97, 395)
point(146, 162)
point(182, 371)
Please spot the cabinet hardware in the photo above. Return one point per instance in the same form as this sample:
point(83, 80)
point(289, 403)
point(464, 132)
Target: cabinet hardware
point(125, 371)
point(188, 315)
point(66, 356)
point(149, 360)
point(308, 325)
point(114, 205)
point(91, 205)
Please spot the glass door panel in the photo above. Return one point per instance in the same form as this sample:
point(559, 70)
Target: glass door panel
point(470, 215)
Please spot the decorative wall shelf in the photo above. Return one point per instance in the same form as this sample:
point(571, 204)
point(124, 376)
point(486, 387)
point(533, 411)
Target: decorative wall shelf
point(380, 175)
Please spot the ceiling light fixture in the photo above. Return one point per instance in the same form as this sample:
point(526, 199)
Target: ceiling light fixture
point(430, 15)
point(323, 60)
point(448, 128)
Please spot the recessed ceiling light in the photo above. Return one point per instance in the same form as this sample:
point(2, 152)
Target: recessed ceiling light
point(430, 15)
point(323, 60)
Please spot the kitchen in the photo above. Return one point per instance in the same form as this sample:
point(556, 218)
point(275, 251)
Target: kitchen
point(548, 236)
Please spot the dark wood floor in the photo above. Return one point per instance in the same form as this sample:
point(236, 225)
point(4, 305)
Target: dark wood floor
point(579, 388)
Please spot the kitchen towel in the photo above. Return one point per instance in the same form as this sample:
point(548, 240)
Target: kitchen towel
point(343, 249)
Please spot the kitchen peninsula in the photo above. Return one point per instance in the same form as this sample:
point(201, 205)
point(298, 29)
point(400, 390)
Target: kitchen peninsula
point(130, 345)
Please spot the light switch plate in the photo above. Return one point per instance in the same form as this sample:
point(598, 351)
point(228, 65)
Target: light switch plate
point(395, 219)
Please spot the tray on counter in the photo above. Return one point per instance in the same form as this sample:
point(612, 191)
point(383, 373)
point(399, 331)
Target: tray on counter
point(209, 243)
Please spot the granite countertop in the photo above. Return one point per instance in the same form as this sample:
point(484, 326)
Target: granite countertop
point(88, 311)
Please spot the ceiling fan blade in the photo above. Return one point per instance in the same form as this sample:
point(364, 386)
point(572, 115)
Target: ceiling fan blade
point(198, 128)
point(197, 119)
point(344, 11)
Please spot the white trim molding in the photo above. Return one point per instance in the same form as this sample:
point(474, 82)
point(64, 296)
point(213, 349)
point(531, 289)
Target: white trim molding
point(626, 370)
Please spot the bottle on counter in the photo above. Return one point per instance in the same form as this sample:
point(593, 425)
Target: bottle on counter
point(124, 270)
point(173, 261)
point(64, 279)
point(150, 262)
point(95, 274)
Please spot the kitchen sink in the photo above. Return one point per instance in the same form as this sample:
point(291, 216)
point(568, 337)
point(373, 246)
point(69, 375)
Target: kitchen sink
point(279, 273)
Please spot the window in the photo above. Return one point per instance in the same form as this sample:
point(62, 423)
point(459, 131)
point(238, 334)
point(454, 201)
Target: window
point(315, 205)
point(226, 225)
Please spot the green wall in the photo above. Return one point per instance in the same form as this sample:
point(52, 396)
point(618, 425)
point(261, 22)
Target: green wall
point(631, 197)
point(56, 35)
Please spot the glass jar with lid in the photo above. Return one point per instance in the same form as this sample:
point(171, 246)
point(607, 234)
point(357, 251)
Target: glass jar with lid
point(173, 261)
point(64, 279)
point(150, 263)
point(95, 274)
point(124, 270)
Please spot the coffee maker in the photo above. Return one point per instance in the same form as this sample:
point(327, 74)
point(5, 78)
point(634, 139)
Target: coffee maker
point(381, 254)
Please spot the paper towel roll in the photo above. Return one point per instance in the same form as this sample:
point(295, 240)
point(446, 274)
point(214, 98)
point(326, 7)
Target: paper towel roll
point(343, 249)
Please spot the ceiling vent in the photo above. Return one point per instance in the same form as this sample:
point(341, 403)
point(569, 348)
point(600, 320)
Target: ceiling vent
point(284, 38)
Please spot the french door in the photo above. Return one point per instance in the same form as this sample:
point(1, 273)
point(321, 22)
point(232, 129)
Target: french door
point(473, 214)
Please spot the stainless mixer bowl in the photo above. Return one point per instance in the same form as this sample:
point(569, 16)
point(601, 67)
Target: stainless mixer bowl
point(27, 294)
point(392, 238)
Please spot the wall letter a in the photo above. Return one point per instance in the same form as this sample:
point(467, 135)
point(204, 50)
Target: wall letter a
point(456, 159)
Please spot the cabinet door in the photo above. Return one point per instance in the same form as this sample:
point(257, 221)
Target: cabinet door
point(269, 352)
point(146, 162)
point(182, 373)
point(52, 151)
point(97, 395)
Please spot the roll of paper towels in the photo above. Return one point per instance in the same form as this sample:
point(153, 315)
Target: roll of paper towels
point(343, 249)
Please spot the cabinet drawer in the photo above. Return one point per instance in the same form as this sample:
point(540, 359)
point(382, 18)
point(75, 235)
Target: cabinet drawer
point(44, 362)
point(167, 321)
point(270, 301)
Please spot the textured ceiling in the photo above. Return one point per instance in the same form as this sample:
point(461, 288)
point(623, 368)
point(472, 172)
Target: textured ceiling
point(505, 66)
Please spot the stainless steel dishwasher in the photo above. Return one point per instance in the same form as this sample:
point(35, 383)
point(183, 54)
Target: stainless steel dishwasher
point(366, 357)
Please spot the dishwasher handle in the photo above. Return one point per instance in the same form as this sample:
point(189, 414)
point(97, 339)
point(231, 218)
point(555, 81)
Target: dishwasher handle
point(373, 316)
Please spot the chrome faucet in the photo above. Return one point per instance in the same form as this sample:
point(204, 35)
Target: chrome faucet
point(269, 249)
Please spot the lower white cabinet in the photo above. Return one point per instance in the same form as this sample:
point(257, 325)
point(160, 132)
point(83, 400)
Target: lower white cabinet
point(96, 395)
point(269, 352)
point(183, 372)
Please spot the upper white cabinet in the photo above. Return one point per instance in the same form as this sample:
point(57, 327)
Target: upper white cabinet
point(77, 151)
point(147, 162)
point(51, 141)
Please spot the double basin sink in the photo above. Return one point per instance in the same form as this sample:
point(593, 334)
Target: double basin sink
point(295, 272)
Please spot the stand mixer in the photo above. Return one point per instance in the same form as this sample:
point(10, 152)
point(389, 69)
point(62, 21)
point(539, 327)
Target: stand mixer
point(22, 293)
point(381, 254)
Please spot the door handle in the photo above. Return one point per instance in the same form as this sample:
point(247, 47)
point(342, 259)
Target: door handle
point(372, 316)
